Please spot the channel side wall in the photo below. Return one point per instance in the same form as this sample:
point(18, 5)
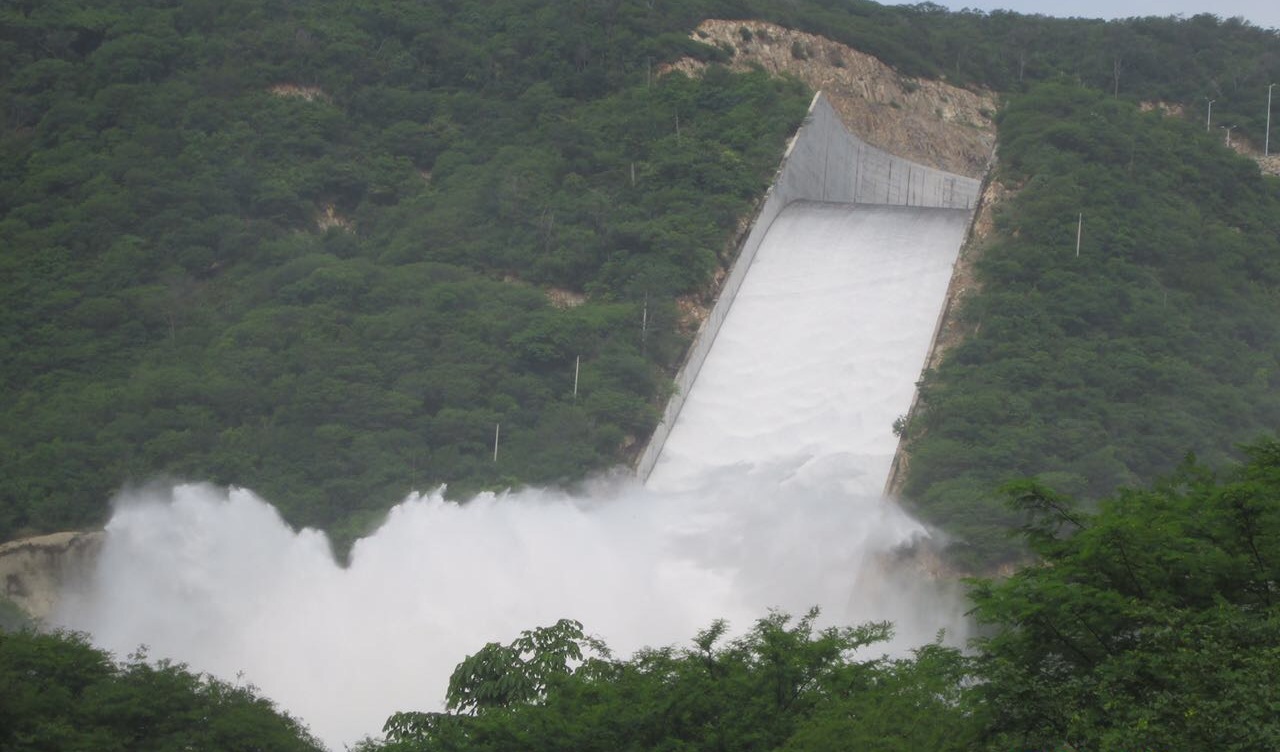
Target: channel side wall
point(823, 162)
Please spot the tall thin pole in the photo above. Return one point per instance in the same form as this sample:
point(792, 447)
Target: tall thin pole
point(576, 364)
point(644, 322)
point(1208, 119)
point(1079, 230)
point(1266, 148)
point(497, 430)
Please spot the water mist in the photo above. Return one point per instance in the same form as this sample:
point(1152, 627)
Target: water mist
point(767, 496)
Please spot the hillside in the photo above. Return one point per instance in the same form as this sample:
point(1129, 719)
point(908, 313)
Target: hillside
point(1107, 368)
point(329, 252)
point(242, 245)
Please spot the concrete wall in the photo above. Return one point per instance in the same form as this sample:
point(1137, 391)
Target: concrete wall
point(823, 162)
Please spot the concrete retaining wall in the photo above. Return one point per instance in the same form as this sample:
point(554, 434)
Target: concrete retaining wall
point(823, 162)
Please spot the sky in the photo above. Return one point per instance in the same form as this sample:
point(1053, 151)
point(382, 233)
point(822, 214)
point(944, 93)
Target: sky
point(1264, 13)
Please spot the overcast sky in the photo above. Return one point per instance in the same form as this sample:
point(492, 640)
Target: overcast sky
point(1264, 13)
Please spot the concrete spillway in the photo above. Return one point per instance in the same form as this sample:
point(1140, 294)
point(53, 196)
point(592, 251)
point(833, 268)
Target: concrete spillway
point(855, 255)
point(822, 347)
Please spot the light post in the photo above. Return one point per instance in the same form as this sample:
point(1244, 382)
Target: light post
point(1208, 119)
point(1266, 148)
point(1228, 129)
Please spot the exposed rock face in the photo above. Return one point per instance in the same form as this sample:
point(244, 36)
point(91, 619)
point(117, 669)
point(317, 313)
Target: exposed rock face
point(34, 571)
point(930, 122)
point(1269, 165)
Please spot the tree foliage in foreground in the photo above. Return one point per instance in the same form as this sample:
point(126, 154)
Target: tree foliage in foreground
point(786, 684)
point(58, 693)
point(1152, 623)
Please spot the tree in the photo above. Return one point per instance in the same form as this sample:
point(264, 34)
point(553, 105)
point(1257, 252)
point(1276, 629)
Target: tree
point(785, 684)
point(1152, 624)
point(57, 692)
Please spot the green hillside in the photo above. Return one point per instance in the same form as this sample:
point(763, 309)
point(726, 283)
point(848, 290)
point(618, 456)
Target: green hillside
point(323, 250)
point(1162, 338)
point(307, 248)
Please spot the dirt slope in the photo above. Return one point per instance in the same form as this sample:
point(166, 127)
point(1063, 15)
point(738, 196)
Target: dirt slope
point(930, 122)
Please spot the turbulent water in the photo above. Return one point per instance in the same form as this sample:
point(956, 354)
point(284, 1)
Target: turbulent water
point(767, 496)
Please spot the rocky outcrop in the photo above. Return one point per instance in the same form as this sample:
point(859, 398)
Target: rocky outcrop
point(926, 121)
point(35, 571)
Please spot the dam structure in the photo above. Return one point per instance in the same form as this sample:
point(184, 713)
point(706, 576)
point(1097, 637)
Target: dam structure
point(825, 321)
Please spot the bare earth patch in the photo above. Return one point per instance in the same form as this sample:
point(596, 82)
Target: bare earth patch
point(309, 93)
point(561, 298)
point(930, 122)
point(330, 218)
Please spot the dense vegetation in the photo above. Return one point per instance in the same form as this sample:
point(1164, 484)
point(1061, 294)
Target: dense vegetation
point(1152, 624)
point(58, 693)
point(1102, 370)
point(303, 247)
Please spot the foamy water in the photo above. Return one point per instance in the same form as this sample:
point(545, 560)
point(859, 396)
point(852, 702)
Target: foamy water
point(767, 496)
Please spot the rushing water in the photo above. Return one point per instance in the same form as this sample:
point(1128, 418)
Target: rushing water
point(767, 496)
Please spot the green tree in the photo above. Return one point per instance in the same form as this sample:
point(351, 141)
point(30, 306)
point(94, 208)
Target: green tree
point(1153, 623)
point(786, 684)
point(57, 692)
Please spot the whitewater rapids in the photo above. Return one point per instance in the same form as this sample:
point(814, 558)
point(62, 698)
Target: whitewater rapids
point(767, 495)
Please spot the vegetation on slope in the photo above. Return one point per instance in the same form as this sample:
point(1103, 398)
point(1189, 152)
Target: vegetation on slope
point(1161, 338)
point(302, 248)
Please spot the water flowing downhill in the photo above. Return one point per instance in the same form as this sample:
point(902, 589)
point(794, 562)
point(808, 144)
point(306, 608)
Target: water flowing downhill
point(767, 494)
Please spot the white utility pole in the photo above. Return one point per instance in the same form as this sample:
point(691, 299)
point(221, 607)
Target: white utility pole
point(1228, 129)
point(644, 323)
point(1208, 119)
point(1079, 231)
point(576, 364)
point(497, 430)
point(1266, 147)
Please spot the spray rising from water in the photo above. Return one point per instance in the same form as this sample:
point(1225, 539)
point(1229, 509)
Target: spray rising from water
point(216, 579)
point(766, 497)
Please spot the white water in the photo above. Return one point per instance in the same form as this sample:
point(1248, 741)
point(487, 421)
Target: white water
point(767, 496)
